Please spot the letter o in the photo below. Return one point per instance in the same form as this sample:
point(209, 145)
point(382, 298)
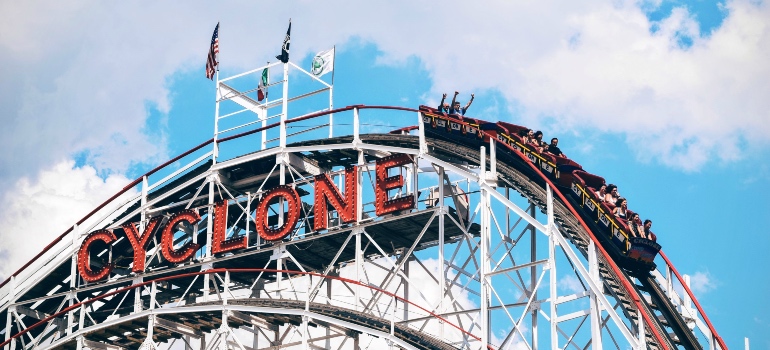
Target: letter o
point(290, 218)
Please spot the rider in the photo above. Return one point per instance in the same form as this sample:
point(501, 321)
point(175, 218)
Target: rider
point(456, 105)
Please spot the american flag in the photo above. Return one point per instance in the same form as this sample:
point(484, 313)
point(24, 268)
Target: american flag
point(211, 62)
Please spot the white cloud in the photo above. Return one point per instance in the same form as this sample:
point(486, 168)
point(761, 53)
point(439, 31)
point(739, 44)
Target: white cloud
point(80, 75)
point(702, 282)
point(34, 214)
point(570, 283)
point(599, 66)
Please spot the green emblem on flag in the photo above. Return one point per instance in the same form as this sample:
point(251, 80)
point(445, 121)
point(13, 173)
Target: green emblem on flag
point(318, 65)
point(323, 63)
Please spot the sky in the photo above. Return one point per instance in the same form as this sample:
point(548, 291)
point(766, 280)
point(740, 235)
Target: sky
point(667, 99)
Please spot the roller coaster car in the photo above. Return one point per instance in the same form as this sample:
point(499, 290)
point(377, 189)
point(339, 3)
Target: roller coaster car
point(643, 249)
point(454, 126)
point(632, 253)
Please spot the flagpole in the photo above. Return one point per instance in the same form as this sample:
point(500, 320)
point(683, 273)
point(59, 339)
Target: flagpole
point(284, 109)
point(284, 114)
point(215, 153)
point(216, 117)
point(334, 61)
point(331, 95)
point(264, 110)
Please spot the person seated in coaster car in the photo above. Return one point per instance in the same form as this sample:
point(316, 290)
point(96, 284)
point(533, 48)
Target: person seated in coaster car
point(601, 193)
point(443, 107)
point(612, 194)
point(647, 230)
point(621, 208)
point(554, 149)
point(537, 141)
point(636, 227)
point(524, 134)
point(455, 109)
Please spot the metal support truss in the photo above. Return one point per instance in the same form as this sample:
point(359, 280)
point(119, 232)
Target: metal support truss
point(469, 266)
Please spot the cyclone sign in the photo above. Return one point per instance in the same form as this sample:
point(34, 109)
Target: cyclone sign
point(327, 195)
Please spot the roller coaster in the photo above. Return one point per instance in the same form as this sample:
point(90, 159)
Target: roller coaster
point(356, 227)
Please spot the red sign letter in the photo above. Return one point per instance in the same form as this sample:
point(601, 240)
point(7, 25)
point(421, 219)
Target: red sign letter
point(291, 217)
point(139, 243)
point(219, 244)
point(84, 258)
point(167, 241)
point(325, 190)
point(384, 183)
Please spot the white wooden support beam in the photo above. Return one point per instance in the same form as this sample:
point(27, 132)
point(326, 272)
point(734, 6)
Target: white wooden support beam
point(138, 294)
point(8, 321)
point(178, 327)
point(254, 320)
point(356, 127)
point(552, 243)
point(442, 271)
point(421, 134)
point(94, 345)
point(595, 306)
point(302, 164)
point(640, 327)
point(359, 268)
point(284, 105)
point(493, 161)
point(485, 235)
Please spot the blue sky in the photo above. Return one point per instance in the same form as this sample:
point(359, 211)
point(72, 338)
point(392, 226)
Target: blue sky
point(667, 99)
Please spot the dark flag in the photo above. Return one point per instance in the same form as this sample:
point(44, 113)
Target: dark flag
point(284, 56)
point(211, 62)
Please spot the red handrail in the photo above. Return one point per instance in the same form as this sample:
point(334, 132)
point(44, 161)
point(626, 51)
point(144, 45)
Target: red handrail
point(236, 270)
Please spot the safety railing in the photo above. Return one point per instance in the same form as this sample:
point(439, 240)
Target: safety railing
point(306, 132)
point(152, 291)
point(672, 283)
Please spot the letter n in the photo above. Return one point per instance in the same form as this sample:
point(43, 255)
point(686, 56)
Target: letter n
point(325, 190)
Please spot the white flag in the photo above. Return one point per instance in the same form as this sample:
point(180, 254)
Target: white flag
point(323, 63)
